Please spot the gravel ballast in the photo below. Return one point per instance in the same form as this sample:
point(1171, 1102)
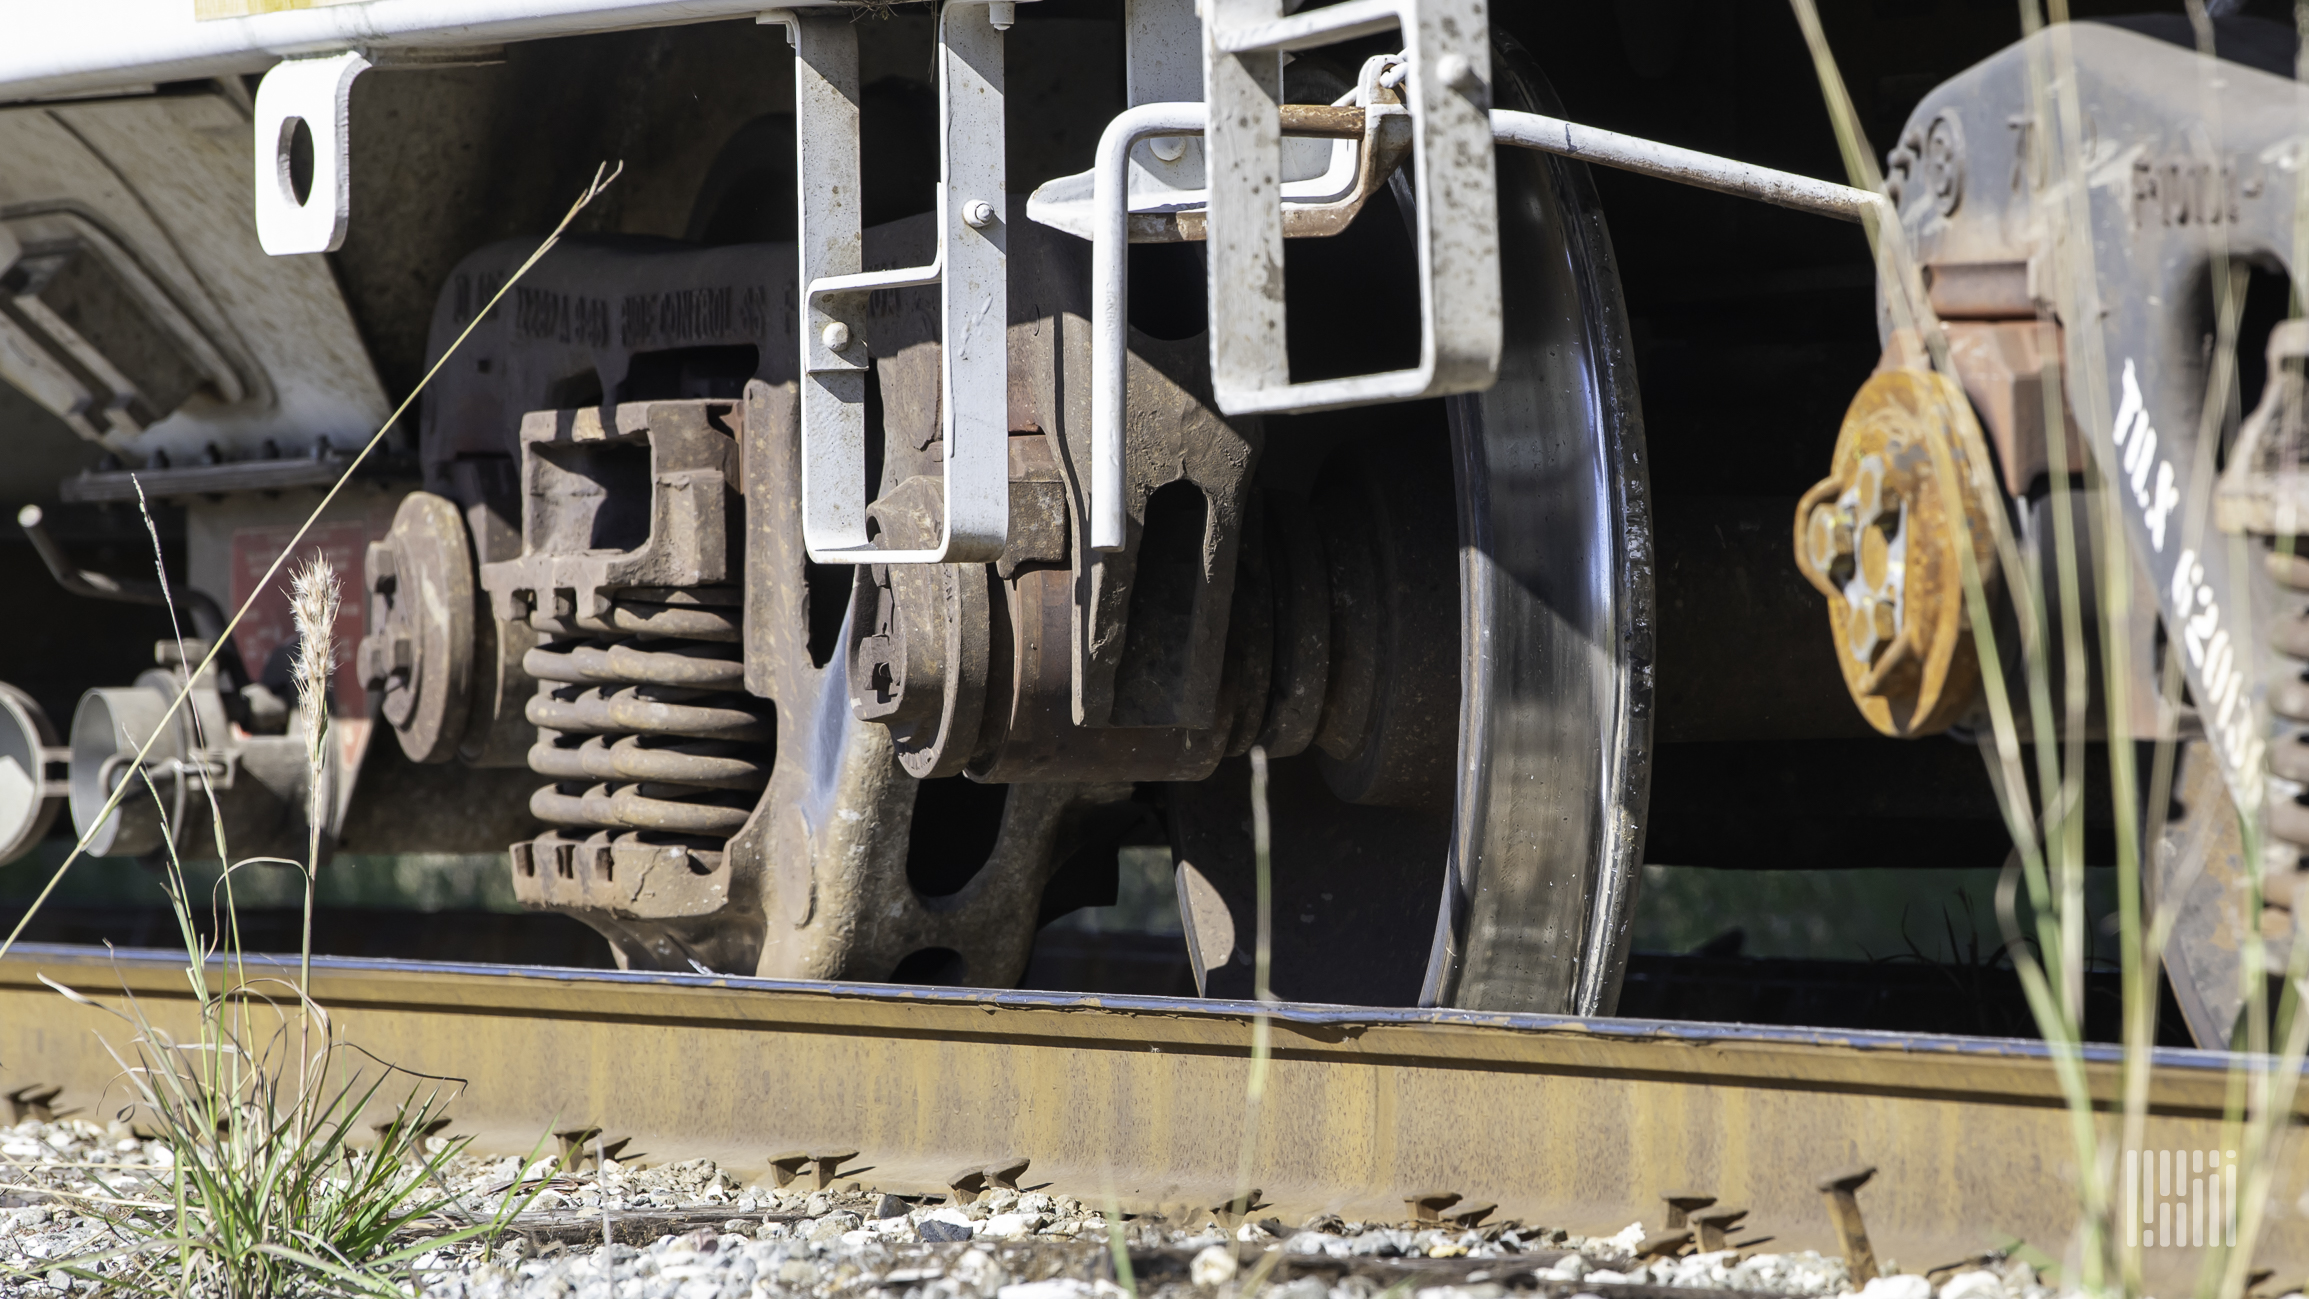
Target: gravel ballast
point(689, 1230)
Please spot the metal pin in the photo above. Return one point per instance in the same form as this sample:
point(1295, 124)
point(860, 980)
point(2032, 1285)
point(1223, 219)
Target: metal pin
point(828, 1162)
point(1428, 1206)
point(1714, 1225)
point(967, 1185)
point(1664, 1244)
point(1468, 1215)
point(34, 1102)
point(1230, 1214)
point(1681, 1204)
point(1844, 1212)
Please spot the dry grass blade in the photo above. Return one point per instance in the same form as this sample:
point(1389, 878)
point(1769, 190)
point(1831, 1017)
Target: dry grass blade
point(1255, 1092)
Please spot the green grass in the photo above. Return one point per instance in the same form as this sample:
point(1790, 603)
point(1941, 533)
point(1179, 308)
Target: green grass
point(280, 1182)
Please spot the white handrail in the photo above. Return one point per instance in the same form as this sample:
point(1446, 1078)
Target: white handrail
point(1109, 277)
point(1685, 166)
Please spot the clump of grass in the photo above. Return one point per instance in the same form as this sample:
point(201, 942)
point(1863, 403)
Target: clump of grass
point(274, 1185)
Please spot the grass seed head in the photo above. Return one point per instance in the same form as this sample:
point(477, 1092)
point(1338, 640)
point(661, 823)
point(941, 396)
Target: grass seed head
point(314, 598)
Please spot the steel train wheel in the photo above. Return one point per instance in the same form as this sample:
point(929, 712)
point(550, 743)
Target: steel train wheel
point(1459, 780)
point(1527, 502)
point(1555, 743)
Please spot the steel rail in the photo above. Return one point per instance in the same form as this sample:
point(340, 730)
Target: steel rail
point(1569, 1122)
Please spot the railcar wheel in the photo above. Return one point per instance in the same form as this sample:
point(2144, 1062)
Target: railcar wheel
point(1509, 745)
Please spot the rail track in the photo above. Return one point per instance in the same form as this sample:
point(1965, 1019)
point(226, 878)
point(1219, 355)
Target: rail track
point(1578, 1123)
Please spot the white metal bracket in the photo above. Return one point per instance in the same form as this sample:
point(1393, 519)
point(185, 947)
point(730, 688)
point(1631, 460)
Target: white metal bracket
point(315, 94)
point(1448, 46)
point(970, 267)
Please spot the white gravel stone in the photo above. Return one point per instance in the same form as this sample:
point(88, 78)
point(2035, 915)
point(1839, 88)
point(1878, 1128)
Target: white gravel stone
point(1215, 1266)
point(1027, 1245)
point(1897, 1287)
point(1982, 1284)
point(1010, 1226)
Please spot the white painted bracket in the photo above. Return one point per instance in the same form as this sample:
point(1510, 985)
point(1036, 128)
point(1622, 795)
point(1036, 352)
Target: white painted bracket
point(970, 267)
point(1448, 46)
point(315, 94)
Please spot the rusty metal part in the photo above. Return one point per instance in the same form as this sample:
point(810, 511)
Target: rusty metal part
point(2288, 700)
point(1034, 734)
point(418, 656)
point(784, 1169)
point(1299, 585)
point(967, 1185)
point(942, 1071)
point(656, 754)
point(1993, 290)
point(2212, 879)
point(639, 494)
point(1681, 1205)
point(1151, 645)
point(1713, 1226)
point(831, 839)
point(37, 1102)
point(921, 642)
point(2006, 366)
point(2200, 869)
point(1664, 1244)
point(210, 782)
point(1428, 1206)
point(266, 473)
point(1841, 1192)
point(1076, 643)
point(1385, 137)
point(975, 667)
point(1390, 722)
point(1878, 538)
point(1469, 1216)
point(399, 806)
point(497, 729)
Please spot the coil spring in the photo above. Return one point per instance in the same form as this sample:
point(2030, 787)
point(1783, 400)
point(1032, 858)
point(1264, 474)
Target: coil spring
point(645, 729)
point(2289, 747)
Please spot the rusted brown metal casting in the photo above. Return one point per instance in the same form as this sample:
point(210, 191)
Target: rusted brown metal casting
point(1879, 538)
